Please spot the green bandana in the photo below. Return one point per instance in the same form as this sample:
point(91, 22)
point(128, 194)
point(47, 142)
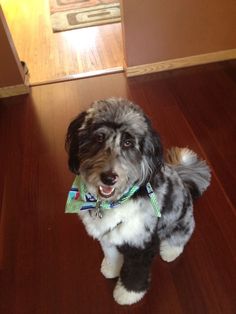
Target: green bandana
point(79, 199)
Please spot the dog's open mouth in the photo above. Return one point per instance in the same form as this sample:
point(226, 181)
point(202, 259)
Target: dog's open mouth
point(106, 191)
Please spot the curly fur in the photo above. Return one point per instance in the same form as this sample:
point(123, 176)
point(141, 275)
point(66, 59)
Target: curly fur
point(115, 137)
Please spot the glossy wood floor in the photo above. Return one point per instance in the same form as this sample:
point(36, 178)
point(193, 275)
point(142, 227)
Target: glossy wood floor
point(48, 263)
point(52, 56)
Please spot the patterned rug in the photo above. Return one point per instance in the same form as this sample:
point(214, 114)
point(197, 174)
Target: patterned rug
point(71, 14)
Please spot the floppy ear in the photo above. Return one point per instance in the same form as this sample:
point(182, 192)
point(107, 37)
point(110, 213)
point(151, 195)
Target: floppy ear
point(154, 152)
point(72, 142)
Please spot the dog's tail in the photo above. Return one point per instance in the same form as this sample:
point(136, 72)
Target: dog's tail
point(194, 172)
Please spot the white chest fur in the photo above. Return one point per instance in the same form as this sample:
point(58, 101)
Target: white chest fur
point(127, 223)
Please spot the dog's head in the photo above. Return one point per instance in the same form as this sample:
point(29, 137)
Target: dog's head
point(113, 146)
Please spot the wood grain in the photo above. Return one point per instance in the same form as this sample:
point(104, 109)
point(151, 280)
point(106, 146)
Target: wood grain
point(48, 263)
point(180, 63)
point(52, 56)
point(14, 90)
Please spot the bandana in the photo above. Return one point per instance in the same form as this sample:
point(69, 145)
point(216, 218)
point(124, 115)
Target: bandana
point(79, 199)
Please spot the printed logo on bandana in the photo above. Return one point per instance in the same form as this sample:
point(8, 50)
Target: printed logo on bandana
point(77, 195)
point(90, 198)
point(74, 195)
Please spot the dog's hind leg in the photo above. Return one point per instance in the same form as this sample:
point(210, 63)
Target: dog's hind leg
point(172, 245)
point(168, 252)
point(112, 261)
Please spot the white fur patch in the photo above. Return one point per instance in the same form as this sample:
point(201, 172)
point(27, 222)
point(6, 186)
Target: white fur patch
point(123, 224)
point(125, 297)
point(112, 262)
point(169, 253)
point(110, 270)
point(188, 157)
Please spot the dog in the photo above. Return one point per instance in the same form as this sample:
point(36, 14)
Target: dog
point(131, 200)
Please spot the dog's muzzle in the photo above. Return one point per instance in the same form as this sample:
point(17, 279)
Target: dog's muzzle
point(109, 179)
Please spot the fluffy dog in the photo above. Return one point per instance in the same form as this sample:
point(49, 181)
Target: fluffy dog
point(142, 204)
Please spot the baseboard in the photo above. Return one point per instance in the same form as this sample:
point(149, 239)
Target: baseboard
point(180, 63)
point(15, 90)
point(79, 76)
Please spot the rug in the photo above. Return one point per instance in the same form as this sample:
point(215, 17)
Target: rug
point(72, 14)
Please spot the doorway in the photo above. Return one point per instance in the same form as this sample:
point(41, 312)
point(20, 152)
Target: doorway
point(60, 56)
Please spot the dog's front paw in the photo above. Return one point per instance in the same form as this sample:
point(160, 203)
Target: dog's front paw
point(169, 253)
point(109, 270)
point(124, 297)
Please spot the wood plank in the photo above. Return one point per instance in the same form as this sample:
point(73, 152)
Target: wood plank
point(184, 62)
point(208, 103)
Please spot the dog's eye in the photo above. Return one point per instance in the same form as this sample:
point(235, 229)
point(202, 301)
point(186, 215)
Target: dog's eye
point(100, 137)
point(127, 144)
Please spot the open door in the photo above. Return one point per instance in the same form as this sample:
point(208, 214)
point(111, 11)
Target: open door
point(13, 77)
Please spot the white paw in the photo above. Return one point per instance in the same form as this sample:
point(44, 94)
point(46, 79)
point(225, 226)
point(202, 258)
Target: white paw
point(109, 270)
point(169, 253)
point(125, 297)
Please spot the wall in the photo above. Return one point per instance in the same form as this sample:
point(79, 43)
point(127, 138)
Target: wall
point(11, 72)
point(158, 30)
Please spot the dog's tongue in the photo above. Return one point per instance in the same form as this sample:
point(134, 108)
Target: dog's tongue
point(106, 191)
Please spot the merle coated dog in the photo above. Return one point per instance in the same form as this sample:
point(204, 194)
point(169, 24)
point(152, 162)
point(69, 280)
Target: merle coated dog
point(132, 201)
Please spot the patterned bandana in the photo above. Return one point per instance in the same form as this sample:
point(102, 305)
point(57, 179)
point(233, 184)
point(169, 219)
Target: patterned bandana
point(79, 199)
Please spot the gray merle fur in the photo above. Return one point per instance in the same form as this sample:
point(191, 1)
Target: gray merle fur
point(116, 136)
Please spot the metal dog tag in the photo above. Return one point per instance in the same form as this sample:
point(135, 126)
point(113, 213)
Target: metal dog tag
point(98, 212)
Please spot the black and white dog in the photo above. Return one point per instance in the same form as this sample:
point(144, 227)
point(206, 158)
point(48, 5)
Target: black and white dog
point(143, 204)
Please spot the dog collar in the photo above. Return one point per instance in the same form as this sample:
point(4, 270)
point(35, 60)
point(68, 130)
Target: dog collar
point(79, 199)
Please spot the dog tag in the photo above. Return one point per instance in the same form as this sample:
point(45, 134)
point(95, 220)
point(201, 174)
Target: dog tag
point(98, 212)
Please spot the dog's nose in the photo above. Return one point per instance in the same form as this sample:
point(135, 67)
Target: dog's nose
point(109, 177)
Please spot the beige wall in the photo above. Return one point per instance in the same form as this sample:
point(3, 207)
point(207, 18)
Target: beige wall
point(158, 30)
point(11, 72)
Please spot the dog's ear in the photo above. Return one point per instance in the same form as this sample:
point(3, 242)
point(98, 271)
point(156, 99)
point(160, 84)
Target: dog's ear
point(72, 142)
point(153, 151)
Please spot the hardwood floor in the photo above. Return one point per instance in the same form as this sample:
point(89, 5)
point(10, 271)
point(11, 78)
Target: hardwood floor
point(48, 263)
point(52, 56)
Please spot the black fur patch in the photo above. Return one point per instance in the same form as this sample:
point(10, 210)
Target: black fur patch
point(168, 202)
point(193, 189)
point(157, 181)
point(72, 143)
point(109, 124)
point(185, 207)
point(135, 272)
